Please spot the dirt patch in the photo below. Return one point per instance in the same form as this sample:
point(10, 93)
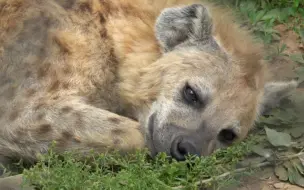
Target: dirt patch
point(269, 183)
point(291, 39)
point(281, 66)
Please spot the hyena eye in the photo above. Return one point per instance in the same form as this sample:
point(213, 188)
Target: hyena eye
point(190, 95)
point(227, 136)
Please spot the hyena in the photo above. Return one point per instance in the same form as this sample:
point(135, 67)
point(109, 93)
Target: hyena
point(179, 77)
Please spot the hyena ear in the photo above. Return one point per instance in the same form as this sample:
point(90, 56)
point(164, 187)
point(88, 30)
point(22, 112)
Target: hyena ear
point(274, 92)
point(183, 25)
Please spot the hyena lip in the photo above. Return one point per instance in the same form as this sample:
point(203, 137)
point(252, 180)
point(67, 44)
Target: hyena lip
point(150, 134)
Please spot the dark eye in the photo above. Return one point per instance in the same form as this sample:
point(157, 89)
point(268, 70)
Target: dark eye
point(227, 136)
point(190, 95)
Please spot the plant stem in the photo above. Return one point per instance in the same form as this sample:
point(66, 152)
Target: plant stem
point(263, 164)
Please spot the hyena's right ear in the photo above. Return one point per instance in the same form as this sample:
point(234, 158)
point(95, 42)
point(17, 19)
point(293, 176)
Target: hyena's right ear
point(185, 25)
point(274, 93)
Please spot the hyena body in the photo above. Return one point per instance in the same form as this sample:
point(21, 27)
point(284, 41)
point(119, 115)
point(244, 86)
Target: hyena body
point(126, 74)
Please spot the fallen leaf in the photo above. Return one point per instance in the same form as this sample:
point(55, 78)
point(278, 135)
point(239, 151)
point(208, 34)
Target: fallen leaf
point(297, 58)
point(260, 150)
point(279, 185)
point(281, 173)
point(272, 14)
point(297, 132)
point(251, 161)
point(291, 174)
point(298, 165)
point(270, 120)
point(267, 173)
point(298, 178)
point(278, 138)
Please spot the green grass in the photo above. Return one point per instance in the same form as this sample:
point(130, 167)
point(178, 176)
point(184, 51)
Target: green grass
point(138, 171)
point(262, 15)
point(134, 171)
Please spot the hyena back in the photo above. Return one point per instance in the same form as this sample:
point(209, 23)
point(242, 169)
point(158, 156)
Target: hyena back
point(174, 76)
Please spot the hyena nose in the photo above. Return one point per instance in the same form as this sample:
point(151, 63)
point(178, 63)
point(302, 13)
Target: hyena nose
point(183, 146)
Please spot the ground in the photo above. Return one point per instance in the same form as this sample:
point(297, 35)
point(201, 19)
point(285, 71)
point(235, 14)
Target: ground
point(283, 67)
point(284, 38)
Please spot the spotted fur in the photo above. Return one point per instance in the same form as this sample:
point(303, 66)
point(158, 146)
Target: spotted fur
point(108, 74)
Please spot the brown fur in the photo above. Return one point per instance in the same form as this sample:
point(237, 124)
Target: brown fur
point(77, 71)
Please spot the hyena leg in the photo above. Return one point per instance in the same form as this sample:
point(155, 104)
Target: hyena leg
point(73, 124)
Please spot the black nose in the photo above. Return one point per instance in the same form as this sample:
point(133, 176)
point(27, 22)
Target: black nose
point(183, 146)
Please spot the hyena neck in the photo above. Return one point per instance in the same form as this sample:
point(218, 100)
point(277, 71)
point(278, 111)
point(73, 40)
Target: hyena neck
point(139, 86)
point(138, 72)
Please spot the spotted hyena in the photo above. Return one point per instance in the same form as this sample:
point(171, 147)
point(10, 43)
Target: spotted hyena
point(175, 76)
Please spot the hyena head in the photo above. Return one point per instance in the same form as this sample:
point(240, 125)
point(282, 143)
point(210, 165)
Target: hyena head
point(210, 97)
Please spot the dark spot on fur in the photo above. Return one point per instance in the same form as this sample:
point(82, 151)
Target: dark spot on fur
point(77, 139)
point(84, 7)
point(46, 21)
point(39, 105)
point(44, 128)
point(66, 109)
point(30, 92)
point(65, 85)
point(55, 97)
point(65, 139)
point(79, 119)
point(67, 135)
point(43, 70)
point(40, 116)
point(54, 86)
point(116, 141)
point(103, 33)
point(13, 115)
point(102, 19)
point(5, 79)
point(66, 4)
point(28, 74)
point(18, 134)
point(152, 99)
point(35, 29)
point(118, 132)
point(114, 120)
point(10, 93)
point(113, 56)
point(2, 111)
point(66, 70)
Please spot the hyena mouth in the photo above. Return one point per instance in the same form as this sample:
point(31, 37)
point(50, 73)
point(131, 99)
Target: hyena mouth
point(150, 134)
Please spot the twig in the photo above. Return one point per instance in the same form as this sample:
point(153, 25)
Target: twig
point(292, 156)
point(263, 164)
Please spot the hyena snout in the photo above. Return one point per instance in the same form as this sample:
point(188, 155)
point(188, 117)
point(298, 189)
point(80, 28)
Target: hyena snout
point(184, 145)
point(200, 143)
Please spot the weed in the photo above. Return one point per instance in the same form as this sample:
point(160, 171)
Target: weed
point(138, 171)
point(262, 15)
point(133, 171)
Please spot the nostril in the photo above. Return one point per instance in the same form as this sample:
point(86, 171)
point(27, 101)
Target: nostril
point(185, 147)
point(181, 147)
point(227, 136)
